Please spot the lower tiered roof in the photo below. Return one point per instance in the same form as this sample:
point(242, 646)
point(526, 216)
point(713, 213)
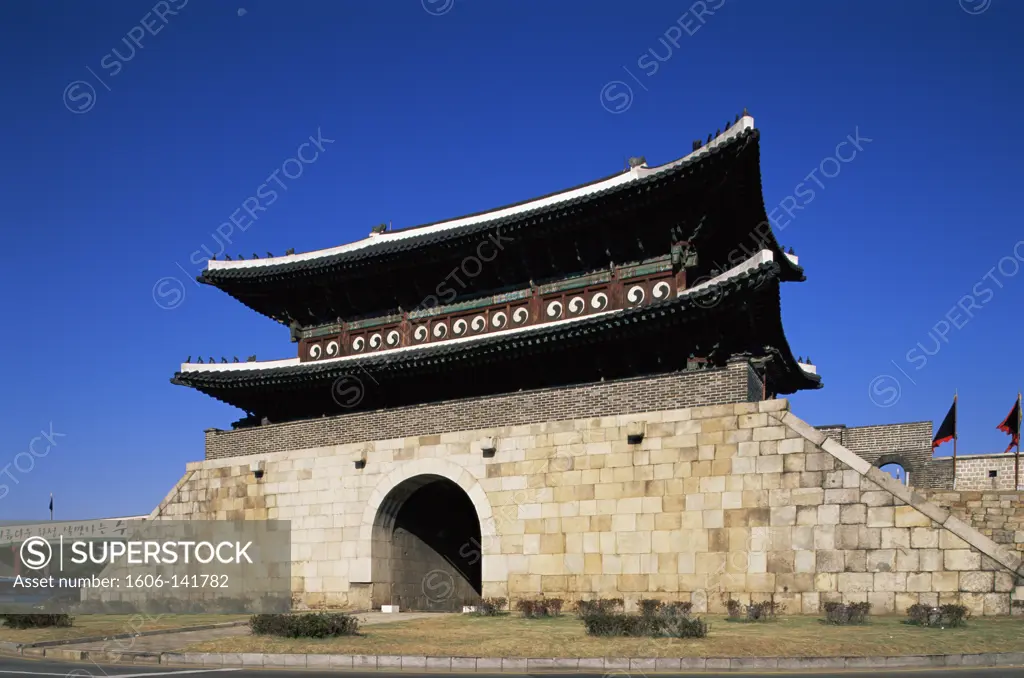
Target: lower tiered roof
point(737, 313)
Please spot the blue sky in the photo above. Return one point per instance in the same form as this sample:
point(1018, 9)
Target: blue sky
point(119, 165)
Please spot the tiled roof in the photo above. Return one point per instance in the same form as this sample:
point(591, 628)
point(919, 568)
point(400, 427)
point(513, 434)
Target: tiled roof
point(689, 304)
point(540, 210)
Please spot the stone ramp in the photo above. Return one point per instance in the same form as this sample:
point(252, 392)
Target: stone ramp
point(905, 493)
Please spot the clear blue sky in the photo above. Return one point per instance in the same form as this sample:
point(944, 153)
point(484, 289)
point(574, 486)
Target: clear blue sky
point(444, 107)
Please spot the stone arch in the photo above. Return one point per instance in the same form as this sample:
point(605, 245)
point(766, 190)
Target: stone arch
point(898, 459)
point(390, 494)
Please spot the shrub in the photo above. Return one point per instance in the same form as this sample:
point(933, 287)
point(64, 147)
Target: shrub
point(683, 627)
point(658, 625)
point(491, 607)
point(600, 605)
point(844, 614)
point(543, 607)
point(552, 607)
point(764, 611)
point(649, 607)
point(310, 625)
point(36, 621)
point(955, 615)
point(676, 609)
point(946, 615)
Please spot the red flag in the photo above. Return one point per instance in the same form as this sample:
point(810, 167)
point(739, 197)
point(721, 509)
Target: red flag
point(947, 429)
point(1011, 426)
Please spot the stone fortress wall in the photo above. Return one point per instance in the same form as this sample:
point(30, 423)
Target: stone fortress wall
point(734, 499)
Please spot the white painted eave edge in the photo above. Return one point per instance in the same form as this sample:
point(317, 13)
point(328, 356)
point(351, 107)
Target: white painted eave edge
point(745, 123)
point(762, 257)
point(753, 262)
point(809, 369)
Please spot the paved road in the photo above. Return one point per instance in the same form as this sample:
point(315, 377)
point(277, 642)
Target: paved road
point(28, 667)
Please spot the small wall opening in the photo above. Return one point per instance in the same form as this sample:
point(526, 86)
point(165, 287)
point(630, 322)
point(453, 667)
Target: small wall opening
point(896, 471)
point(426, 552)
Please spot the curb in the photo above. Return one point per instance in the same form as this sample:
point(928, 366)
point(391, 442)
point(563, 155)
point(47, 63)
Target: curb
point(120, 636)
point(518, 665)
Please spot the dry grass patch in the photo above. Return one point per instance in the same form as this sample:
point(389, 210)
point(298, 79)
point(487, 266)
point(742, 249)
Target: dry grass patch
point(89, 625)
point(511, 636)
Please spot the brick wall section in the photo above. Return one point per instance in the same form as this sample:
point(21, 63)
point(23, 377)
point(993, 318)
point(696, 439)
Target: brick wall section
point(908, 445)
point(972, 472)
point(735, 383)
point(998, 515)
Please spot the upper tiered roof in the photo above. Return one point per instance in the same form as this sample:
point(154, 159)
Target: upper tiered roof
point(652, 270)
point(710, 198)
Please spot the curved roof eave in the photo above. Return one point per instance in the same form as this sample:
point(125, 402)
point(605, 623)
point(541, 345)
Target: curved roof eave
point(428, 234)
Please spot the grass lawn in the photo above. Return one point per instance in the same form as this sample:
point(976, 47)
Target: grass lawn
point(88, 625)
point(512, 636)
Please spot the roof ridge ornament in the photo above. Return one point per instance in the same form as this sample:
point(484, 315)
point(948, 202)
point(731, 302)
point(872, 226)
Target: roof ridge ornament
point(637, 161)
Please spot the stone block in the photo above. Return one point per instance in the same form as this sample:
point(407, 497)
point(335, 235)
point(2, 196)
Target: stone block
point(853, 514)
point(890, 581)
point(881, 560)
point(908, 516)
point(948, 540)
point(945, 581)
point(881, 516)
point(895, 537)
point(828, 514)
point(876, 498)
point(997, 604)
point(829, 561)
point(961, 559)
point(783, 515)
point(919, 582)
point(855, 582)
point(977, 582)
point(845, 456)
point(882, 602)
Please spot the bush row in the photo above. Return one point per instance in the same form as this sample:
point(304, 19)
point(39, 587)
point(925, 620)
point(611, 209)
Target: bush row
point(944, 615)
point(36, 621)
point(843, 614)
point(763, 611)
point(491, 607)
point(544, 607)
point(618, 624)
point(309, 625)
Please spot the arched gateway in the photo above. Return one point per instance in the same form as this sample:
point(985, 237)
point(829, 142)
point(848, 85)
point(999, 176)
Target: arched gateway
point(422, 531)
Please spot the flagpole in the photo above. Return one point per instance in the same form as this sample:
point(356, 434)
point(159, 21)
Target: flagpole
point(1016, 456)
point(955, 413)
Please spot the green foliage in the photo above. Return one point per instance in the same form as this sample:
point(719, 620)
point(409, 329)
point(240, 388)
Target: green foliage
point(664, 626)
point(755, 612)
point(543, 607)
point(599, 605)
point(844, 614)
point(490, 607)
point(36, 621)
point(309, 625)
point(952, 616)
point(656, 619)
